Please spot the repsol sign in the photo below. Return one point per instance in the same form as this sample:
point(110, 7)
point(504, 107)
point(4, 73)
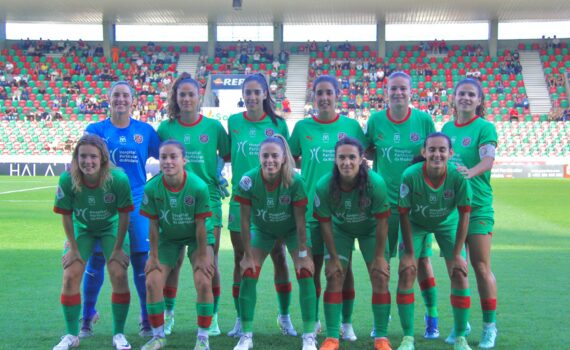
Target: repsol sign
point(32, 169)
point(227, 81)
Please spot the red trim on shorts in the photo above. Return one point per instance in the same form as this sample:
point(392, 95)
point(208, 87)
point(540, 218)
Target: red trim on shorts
point(348, 294)
point(62, 211)
point(464, 208)
point(70, 300)
point(381, 298)
point(283, 287)
point(320, 121)
point(242, 200)
point(204, 321)
point(200, 117)
point(235, 291)
point(460, 302)
point(301, 203)
point(405, 299)
point(169, 292)
point(389, 115)
point(427, 283)
point(156, 320)
point(304, 274)
point(203, 215)
point(320, 218)
point(252, 274)
point(121, 298)
point(216, 291)
point(127, 209)
point(333, 298)
point(150, 216)
point(489, 304)
point(383, 215)
point(402, 210)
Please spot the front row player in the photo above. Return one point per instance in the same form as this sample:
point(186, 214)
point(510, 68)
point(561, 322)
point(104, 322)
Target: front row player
point(272, 207)
point(434, 198)
point(355, 199)
point(95, 200)
point(177, 204)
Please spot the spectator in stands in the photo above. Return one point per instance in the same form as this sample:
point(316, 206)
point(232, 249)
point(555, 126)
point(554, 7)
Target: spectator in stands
point(3, 94)
point(513, 114)
point(16, 94)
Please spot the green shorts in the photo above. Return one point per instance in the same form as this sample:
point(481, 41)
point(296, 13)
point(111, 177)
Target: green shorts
point(169, 251)
point(216, 217)
point(266, 241)
point(395, 243)
point(445, 237)
point(344, 244)
point(317, 242)
point(234, 222)
point(481, 221)
point(86, 242)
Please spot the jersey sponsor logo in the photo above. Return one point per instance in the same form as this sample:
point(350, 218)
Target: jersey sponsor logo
point(269, 132)
point(145, 199)
point(59, 194)
point(317, 201)
point(262, 213)
point(204, 138)
point(187, 139)
point(81, 213)
point(448, 194)
point(241, 147)
point(340, 216)
point(397, 137)
point(404, 190)
point(270, 203)
point(91, 200)
point(189, 201)
point(245, 183)
point(123, 140)
point(315, 154)
point(414, 137)
point(163, 216)
point(432, 198)
point(421, 209)
point(466, 141)
point(113, 156)
point(386, 153)
point(341, 135)
point(326, 137)
point(285, 199)
point(109, 198)
point(138, 138)
point(173, 202)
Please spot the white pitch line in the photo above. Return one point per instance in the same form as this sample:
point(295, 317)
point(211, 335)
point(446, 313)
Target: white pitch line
point(28, 189)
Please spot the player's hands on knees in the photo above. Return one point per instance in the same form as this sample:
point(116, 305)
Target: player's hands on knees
point(119, 256)
point(305, 263)
point(333, 268)
point(407, 261)
point(459, 265)
point(205, 265)
point(380, 266)
point(70, 257)
point(247, 263)
point(152, 264)
point(464, 171)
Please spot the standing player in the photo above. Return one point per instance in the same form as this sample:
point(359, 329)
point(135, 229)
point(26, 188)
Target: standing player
point(177, 204)
point(273, 203)
point(313, 140)
point(431, 196)
point(475, 140)
point(131, 143)
point(396, 136)
point(246, 131)
point(355, 199)
point(204, 139)
point(94, 200)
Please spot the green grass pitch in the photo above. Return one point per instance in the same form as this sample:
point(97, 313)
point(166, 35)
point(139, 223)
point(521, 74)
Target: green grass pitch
point(531, 261)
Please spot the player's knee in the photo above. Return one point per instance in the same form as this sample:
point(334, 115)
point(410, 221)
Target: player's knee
point(408, 273)
point(481, 268)
point(203, 284)
point(153, 282)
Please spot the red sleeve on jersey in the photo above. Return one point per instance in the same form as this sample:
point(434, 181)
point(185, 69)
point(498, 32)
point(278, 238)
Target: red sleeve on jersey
point(320, 218)
point(153, 217)
point(403, 210)
point(127, 209)
point(203, 215)
point(302, 203)
point(62, 211)
point(383, 215)
point(242, 200)
point(464, 208)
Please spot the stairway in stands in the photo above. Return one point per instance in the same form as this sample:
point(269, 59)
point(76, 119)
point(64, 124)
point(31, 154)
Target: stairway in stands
point(296, 91)
point(188, 62)
point(535, 82)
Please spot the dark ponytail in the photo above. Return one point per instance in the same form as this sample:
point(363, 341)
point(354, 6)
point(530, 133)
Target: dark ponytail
point(268, 103)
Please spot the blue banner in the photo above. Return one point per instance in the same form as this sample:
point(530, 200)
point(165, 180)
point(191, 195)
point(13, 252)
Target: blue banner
point(227, 81)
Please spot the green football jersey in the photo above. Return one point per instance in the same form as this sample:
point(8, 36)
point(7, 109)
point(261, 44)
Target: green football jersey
point(352, 214)
point(431, 205)
point(245, 137)
point(466, 140)
point(314, 141)
point(177, 209)
point(397, 143)
point(94, 209)
point(203, 140)
point(271, 205)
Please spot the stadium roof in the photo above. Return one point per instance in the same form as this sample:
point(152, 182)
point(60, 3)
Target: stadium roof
point(256, 12)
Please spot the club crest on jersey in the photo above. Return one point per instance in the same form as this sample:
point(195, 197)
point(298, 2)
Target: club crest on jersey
point(414, 137)
point(326, 137)
point(341, 135)
point(466, 141)
point(432, 198)
point(404, 190)
point(284, 199)
point(109, 198)
point(397, 137)
point(252, 132)
point(91, 200)
point(204, 138)
point(173, 202)
point(187, 139)
point(365, 202)
point(245, 183)
point(270, 203)
point(122, 140)
point(59, 194)
point(189, 201)
point(269, 132)
point(138, 138)
point(448, 194)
